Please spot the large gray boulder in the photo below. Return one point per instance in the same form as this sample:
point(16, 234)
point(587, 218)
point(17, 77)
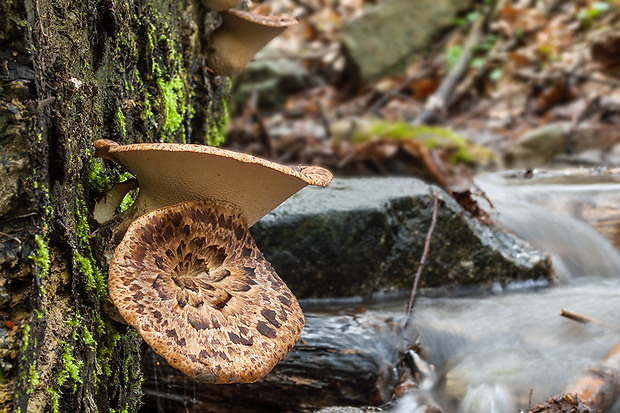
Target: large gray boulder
point(387, 35)
point(365, 235)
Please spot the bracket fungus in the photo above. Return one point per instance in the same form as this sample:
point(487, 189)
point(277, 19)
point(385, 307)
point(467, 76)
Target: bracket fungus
point(242, 35)
point(188, 275)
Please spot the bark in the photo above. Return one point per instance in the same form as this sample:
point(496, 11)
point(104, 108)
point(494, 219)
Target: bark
point(72, 72)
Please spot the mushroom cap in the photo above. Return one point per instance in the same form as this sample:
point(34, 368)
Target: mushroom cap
point(242, 35)
point(190, 279)
point(169, 173)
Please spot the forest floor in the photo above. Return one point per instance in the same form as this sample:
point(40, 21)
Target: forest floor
point(523, 84)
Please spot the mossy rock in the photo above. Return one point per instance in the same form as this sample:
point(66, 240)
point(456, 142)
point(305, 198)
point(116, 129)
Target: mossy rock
point(365, 235)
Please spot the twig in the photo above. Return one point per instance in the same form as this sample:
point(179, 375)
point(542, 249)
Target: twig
point(578, 76)
point(418, 273)
point(438, 102)
point(580, 318)
point(30, 214)
point(11, 237)
point(441, 100)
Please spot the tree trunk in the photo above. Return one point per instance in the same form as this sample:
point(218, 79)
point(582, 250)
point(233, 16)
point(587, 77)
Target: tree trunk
point(72, 72)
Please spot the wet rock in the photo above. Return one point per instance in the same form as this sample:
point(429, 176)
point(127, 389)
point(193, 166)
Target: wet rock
point(365, 235)
point(341, 360)
point(386, 35)
point(563, 142)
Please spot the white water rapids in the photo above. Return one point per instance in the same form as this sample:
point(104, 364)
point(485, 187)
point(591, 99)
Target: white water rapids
point(507, 351)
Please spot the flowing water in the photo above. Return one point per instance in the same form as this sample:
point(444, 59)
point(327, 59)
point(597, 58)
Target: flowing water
point(506, 351)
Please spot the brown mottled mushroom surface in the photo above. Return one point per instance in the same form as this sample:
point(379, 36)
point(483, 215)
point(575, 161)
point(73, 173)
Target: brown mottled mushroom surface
point(169, 173)
point(190, 279)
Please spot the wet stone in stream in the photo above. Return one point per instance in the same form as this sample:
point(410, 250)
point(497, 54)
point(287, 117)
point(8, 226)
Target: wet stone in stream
point(364, 235)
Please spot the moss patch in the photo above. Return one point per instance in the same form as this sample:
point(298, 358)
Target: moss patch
point(71, 369)
point(120, 118)
point(216, 132)
point(41, 257)
point(173, 94)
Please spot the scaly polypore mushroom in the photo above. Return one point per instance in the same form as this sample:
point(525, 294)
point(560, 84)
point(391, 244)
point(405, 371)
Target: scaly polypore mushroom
point(188, 275)
point(242, 35)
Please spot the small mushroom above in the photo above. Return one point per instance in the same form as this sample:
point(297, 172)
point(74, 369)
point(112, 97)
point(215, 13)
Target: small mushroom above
point(170, 173)
point(187, 273)
point(242, 34)
point(191, 280)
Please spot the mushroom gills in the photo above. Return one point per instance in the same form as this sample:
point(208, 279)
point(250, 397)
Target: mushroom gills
point(191, 280)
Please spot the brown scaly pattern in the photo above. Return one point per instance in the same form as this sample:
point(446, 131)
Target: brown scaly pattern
point(191, 280)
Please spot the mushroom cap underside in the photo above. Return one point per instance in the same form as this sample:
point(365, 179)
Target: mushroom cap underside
point(190, 279)
point(172, 173)
point(241, 35)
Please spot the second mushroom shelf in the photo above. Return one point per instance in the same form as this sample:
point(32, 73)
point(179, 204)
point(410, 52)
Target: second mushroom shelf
point(187, 273)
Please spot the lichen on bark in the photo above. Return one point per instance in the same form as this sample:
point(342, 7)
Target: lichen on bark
point(70, 73)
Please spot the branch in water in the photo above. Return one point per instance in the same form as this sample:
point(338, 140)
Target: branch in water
point(427, 243)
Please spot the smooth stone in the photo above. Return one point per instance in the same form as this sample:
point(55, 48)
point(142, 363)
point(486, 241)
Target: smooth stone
point(361, 236)
point(386, 36)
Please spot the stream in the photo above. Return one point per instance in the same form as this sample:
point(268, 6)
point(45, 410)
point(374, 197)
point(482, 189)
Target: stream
point(508, 349)
point(502, 349)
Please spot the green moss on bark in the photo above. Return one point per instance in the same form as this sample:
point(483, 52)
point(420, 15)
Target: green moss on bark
point(124, 70)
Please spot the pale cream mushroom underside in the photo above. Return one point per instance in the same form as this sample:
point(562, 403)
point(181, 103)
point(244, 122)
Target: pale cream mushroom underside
point(188, 275)
point(242, 34)
point(170, 173)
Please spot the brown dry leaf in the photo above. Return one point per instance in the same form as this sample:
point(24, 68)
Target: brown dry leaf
point(559, 92)
point(555, 38)
point(605, 50)
point(424, 88)
point(509, 12)
point(300, 104)
point(523, 20)
point(564, 403)
point(517, 59)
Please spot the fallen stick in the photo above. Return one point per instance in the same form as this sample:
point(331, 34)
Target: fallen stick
point(580, 318)
point(418, 273)
point(440, 101)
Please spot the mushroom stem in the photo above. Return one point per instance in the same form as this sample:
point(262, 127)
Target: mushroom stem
point(241, 35)
point(105, 208)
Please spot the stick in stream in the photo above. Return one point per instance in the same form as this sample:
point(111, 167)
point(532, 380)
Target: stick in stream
point(583, 319)
point(418, 273)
